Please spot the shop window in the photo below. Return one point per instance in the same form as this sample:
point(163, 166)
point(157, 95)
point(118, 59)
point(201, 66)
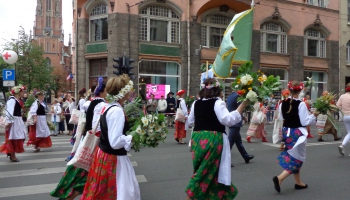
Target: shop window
point(319, 84)
point(98, 67)
point(158, 23)
point(315, 43)
point(273, 38)
point(213, 28)
point(159, 73)
point(99, 23)
point(348, 52)
point(320, 3)
point(282, 73)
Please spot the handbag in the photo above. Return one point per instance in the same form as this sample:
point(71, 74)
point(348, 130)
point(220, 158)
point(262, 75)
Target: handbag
point(180, 115)
point(258, 118)
point(74, 119)
point(84, 154)
point(30, 120)
point(79, 131)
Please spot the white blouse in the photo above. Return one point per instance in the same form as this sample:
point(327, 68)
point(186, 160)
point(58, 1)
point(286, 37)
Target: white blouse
point(306, 118)
point(115, 121)
point(34, 107)
point(10, 107)
point(225, 117)
point(97, 113)
point(183, 107)
point(85, 106)
point(81, 103)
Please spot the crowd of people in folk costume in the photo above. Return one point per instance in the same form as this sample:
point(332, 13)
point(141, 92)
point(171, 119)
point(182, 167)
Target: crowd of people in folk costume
point(111, 175)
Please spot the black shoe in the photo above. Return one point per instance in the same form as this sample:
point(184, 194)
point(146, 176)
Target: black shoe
point(232, 165)
point(248, 158)
point(13, 160)
point(299, 187)
point(277, 184)
point(177, 140)
point(320, 140)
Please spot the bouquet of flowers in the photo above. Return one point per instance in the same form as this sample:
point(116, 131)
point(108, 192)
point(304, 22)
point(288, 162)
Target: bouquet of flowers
point(325, 105)
point(189, 101)
point(254, 86)
point(50, 125)
point(148, 131)
point(285, 94)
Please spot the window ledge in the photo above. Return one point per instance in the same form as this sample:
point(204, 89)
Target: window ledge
point(314, 57)
point(160, 43)
point(348, 64)
point(274, 53)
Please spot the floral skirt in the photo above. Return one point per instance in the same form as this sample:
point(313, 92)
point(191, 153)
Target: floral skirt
point(38, 142)
point(206, 147)
point(73, 179)
point(180, 131)
point(288, 162)
point(11, 146)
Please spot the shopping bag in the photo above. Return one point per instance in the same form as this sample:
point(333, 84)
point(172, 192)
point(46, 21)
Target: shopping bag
point(277, 131)
point(74, 119)
point(84, 154)
point(30, 120)
point(180, 115)
point(321, 122)
point(79, 131)
point(258, 118)
point(252, 129)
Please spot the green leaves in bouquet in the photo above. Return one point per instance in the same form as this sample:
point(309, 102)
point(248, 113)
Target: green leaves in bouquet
point(29, 101)
point(136, 141)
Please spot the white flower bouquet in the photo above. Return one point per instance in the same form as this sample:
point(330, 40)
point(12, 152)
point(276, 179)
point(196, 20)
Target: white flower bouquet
point(149, 130)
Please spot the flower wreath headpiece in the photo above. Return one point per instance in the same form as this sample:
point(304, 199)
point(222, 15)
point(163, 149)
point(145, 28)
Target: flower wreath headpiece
point(128, 88)
point(347, 89)
point(210, 86)
point(17, 89)
point(296, 87)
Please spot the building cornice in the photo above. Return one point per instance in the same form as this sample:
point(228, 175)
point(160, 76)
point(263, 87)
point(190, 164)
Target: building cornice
point(307, 5)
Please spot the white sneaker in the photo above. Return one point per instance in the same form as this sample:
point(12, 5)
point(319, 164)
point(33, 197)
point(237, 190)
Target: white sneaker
point(341, 150)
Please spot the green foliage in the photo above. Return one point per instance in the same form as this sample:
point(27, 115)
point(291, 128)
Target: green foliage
point(29, 101)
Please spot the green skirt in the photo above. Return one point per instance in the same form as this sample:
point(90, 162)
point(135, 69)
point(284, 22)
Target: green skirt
point(206, 150)
point(73, 179)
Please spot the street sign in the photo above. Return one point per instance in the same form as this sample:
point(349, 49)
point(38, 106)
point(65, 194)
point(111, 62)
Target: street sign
point(8, 75)
point(8, 83)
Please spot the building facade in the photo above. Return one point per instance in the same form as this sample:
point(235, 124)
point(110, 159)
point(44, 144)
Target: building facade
point(171, 39)
point(48, 33)
point(344, 44)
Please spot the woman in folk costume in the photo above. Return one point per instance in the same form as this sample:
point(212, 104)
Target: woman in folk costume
point(74, 179)
point(344, 104)
point(210, 146)
point(260, 130)
point(15, 130)
point(277, 130)
point(307, 101)
point(56, 115)
point(81, 98)
point(180, 127)
point(296, 117)
point(111, 175)
point(39, 133)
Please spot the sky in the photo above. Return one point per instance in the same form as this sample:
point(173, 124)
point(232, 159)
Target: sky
point(15, 13)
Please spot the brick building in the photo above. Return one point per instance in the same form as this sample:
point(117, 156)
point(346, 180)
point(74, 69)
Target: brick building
point(170, 39)
point(48, 33)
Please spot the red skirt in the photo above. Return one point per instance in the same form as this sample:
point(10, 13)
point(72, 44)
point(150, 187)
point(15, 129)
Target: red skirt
point(11, 146)
point(38, 142)
point(180, 131)
point(101, 182)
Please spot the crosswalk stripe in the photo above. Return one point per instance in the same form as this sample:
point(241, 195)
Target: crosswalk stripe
point(31, 172)
point(66, 153)
point(46, 160)
point(141, 178)
point(27, 190)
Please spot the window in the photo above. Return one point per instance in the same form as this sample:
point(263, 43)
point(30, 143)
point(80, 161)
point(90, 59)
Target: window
point(348, 52)
point(282, 73)
point(47, 47)
point(158, 23)
point(48, 21)
point(48, 62)
point(348, 10)
point(315, 43)
point(273, 38)
point(48, 5)
point(98, 23)
point(160, 73)
point(98, 67)
point(319, 84)
point(213, 29)
point(320, 3)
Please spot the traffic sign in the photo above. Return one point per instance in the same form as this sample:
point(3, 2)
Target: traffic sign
point(8, 83)
point(8, 75)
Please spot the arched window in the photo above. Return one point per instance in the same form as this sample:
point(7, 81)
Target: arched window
point(348, 52)
point(158, 23)
point(48, 62)
point(273, 38)
point(99, 23)
point(315, 43)
point(213, 29)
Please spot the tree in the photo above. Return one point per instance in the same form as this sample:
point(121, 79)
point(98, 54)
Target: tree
point(31, 68)
point(59, 79)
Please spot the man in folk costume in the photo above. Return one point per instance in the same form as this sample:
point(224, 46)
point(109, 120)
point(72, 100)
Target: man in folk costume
point(39, 132)
point(329, 129)
point(15, 132)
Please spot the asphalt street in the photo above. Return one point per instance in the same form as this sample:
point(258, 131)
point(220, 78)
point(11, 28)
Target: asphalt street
point(163, 173)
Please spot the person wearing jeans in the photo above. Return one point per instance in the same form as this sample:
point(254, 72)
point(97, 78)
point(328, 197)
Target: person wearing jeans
point(343, 103)
point(55, 115)
point(234, 133)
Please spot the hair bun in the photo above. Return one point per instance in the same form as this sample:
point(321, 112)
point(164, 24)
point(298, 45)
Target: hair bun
point(83, 90)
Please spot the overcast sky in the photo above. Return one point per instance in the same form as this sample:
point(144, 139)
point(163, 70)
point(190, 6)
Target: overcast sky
point(15, 13)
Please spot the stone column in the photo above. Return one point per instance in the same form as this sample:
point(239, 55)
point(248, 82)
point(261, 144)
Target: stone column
point(83, 38)
point(295, 49)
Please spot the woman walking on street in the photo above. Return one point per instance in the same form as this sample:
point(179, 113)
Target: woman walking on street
point(344, 104)
point(260, 130)
point(39, 133)
point(170, 100)
point(56, 115)
point(210, 146)
point(64, 105)
point(68, 111)
point(111, 175)
point(294, 136)
point(181, 127)
point(15, 132)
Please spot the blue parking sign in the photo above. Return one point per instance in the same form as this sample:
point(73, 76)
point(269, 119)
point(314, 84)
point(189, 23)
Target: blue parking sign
point(8, 75)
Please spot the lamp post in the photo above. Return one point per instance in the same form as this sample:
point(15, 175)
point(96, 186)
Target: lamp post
point(16, 62)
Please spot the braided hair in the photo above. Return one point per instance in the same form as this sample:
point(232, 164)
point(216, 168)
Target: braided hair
point(295, 87)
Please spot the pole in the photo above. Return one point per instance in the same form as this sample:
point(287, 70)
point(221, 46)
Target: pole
point(207, 63)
